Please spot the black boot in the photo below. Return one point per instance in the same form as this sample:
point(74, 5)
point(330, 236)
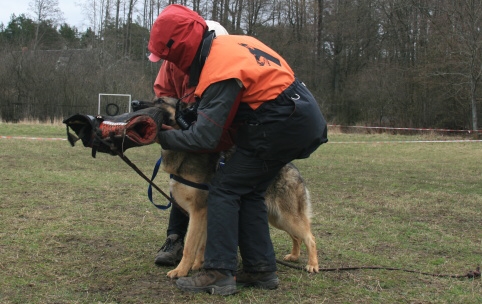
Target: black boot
point(171, 252)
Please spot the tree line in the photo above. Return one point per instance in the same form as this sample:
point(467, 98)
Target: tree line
point(396, 63)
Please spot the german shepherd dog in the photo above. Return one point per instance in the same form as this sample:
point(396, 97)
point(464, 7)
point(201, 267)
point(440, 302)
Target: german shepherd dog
point(287, 199)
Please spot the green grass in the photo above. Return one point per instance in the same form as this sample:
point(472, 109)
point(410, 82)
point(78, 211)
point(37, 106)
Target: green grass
point(74, 229)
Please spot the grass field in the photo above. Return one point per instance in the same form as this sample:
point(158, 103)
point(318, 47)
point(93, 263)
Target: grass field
point(74, 229)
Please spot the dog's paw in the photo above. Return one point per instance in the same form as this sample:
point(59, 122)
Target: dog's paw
point(172, 274)
point(291, 257)
point(312, 268)
point(176, 273)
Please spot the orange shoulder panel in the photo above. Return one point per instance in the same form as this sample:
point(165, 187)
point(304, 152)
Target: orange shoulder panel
point(263, 72)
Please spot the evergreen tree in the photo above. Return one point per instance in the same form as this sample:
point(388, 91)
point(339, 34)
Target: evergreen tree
point(69, 36)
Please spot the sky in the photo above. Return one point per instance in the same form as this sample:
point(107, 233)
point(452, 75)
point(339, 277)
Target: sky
point(72, 12)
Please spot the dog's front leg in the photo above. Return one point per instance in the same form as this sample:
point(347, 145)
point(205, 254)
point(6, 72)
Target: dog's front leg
point(193, 245)
point(199, 261)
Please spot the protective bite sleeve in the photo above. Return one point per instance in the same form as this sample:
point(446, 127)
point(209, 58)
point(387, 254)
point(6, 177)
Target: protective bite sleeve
point(114, 134)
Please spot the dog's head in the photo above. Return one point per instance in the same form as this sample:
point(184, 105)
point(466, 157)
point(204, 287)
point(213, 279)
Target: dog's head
point(168, 107)
point(176, 114)
point(182, 115)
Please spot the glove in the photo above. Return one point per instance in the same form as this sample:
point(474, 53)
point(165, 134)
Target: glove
point(115, 134)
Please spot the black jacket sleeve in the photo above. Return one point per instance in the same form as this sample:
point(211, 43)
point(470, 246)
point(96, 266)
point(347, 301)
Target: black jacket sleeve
point(216, 103)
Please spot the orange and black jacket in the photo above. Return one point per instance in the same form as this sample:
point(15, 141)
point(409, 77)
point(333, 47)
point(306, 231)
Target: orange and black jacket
point(238, 69)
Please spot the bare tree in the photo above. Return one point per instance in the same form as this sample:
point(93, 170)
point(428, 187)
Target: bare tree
point(44, 10)
point(455, 27)
point(127, 34)
point(465, 19)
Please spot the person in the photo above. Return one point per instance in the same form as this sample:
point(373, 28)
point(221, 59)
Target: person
point(241, 84)
point(172, 82)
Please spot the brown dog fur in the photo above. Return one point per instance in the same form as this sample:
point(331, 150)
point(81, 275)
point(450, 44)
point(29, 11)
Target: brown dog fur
point(287, 199)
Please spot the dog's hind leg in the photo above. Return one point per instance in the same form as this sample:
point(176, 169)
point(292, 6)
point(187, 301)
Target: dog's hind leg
point(295, 250)
point(310, 243)
point(300, 231)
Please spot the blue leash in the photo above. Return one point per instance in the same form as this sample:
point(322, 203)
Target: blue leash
point(178, 179)
point(149, 190)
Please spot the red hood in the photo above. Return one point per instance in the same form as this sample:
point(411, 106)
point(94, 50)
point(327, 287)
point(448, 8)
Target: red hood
point(176, 35)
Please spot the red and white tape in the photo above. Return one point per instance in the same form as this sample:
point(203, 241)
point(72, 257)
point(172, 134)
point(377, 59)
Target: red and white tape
point(405, 141)
point(30, 138)
point(408, 129)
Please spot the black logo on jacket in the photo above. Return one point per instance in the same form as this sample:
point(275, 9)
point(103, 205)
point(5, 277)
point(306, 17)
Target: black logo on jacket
point(262, 58)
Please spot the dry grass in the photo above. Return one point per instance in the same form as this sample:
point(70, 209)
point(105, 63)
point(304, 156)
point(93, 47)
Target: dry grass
point(74, 229)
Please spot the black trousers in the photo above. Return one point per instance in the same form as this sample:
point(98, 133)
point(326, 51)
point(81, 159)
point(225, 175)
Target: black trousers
point(237, 214)
point(287, 128)
point(178, 222)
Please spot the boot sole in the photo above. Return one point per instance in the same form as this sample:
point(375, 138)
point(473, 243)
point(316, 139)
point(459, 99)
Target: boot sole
point(270, 284)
